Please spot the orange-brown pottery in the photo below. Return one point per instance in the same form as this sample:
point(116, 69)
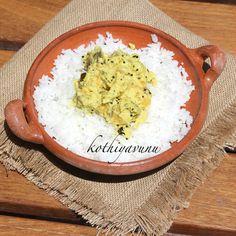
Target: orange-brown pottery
point(21, 115)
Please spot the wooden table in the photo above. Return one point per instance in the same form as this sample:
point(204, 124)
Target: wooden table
point(27, 210)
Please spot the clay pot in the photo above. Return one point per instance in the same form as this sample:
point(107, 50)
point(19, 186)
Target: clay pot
point(21, 115)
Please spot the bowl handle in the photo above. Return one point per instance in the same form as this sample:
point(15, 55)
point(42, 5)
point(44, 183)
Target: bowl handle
point(218, 60)
point(16, 120)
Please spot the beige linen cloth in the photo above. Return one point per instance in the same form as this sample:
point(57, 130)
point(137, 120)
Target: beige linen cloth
point(146, 203)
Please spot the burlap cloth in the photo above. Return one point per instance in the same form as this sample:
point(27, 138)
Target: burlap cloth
point(145, 203)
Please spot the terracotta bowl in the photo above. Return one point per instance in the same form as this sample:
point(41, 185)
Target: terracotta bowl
point(21, 115)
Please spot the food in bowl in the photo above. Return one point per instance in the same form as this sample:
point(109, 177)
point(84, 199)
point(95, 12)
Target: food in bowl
point(115, 87)
point(113, 112)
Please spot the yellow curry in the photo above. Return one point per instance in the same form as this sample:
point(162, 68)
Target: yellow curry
point(115, 87)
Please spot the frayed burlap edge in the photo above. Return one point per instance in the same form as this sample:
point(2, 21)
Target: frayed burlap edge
point(48, 177)
point(186, 174)
point(157, 214)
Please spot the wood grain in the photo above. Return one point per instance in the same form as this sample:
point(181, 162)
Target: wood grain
point(19, 196)
point(214, 22)
point(216, 1)
point(20, 20)
point(12, 226)
point(5, 56)
point(30, 16)
point(213, 207)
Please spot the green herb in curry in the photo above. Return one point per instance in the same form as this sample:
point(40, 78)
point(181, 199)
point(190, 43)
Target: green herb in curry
point(115, 87)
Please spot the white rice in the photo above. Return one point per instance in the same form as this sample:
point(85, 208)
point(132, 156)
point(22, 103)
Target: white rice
point(168, 121)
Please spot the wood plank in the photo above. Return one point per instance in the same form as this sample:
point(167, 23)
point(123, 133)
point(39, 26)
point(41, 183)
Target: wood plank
point(214, 22)
point(20, 20)
point(30, 16)
point(212, 210)
point(11, 226)
point(5, 56)
point(17, 195)
point(213, 205)
point(19, 226)
point(216, 1)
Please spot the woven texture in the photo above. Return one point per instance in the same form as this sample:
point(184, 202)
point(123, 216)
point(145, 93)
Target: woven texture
point(145, 203)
